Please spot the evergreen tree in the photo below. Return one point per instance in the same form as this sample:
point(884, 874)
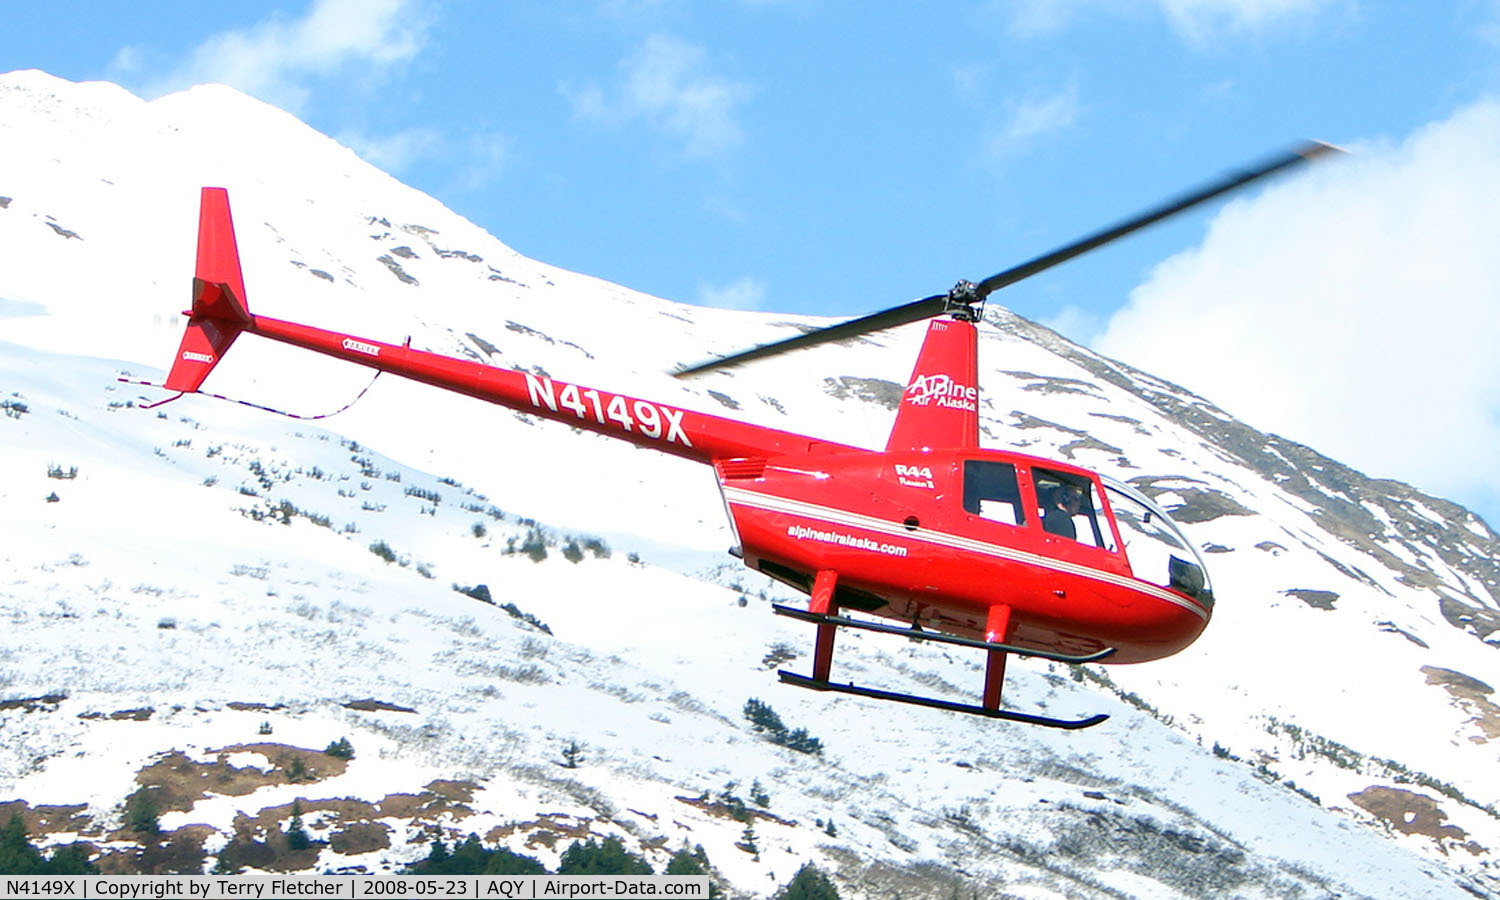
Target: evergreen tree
point(471, 858)
point(685, 863)
point(17, 856)
point(763, 717)
point(70, 860)
point(507, 862)
point(765, 721)
point(296, 835)
point(468, 858)
point(535, 545)
point(224, 866)
point(436, 861)
point(802, 742)
point(734, 803)
point(809, 884)
point(297, 771)
point(758, 795)
point(383, 550)
point(480, 592)
point(607, 858)
point(142, 811)
point(695, 862)
point(747, 841)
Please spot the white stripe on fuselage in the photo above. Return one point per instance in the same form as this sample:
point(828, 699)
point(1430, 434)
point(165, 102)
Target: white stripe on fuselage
point(743, 497)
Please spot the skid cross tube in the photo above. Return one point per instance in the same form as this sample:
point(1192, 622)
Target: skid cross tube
point(940, 637)
point(796, 680)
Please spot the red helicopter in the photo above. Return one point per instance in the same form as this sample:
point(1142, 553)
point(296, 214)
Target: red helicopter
point(993, 550)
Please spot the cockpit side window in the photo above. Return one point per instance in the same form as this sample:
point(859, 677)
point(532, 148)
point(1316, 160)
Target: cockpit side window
point(1068, 508)
point(991, 492)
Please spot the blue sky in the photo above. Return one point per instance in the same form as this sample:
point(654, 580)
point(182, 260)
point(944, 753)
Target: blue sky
point(834, 157)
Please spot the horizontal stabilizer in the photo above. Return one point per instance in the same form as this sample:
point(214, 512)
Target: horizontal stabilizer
point(204, 344)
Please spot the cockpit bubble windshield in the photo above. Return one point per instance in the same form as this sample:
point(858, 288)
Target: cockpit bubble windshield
point(1156, 547)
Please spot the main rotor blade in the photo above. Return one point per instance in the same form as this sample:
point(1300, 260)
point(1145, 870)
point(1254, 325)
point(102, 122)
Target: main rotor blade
point(1299, 154)
point(915, 311)
point(937, 304)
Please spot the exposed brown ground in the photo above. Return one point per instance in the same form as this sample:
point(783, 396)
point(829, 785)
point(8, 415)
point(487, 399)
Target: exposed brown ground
point(180, 782)
point(258, 838)
point(1473, 696)
point(1411, 813)
point(546, 830)
point(724, 811)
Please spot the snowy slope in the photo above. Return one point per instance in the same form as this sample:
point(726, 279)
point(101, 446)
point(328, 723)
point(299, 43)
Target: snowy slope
point(1332, 732)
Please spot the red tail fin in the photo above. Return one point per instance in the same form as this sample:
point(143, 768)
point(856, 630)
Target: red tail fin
point(219, 310)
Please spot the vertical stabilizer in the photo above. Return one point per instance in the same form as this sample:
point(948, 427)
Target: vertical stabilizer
point(219, 310)
point(940, 408)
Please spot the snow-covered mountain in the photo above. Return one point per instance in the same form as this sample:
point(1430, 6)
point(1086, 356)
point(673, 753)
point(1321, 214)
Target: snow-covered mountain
point(201, 597)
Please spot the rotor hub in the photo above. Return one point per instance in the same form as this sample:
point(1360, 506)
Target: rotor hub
point(964, 302)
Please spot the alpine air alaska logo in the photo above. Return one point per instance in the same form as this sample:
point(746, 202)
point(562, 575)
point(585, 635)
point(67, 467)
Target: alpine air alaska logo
point(943, 391)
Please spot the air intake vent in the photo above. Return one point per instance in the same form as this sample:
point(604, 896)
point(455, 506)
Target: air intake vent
point(740, 469)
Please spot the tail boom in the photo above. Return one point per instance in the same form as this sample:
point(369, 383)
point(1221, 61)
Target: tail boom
point(645, 423)
point(220, 314)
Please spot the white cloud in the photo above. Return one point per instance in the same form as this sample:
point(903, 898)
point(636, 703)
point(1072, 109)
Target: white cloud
point(1075, 323)
point(1028, 120)
point(968, 80)
point(1488, 27)
point(1197, 22)
point(278, 59)
point(272, 59)
point(1033, 18)
point(666, 83)
point(743, 293)
point(630, 10)
point(1037, 116)
point(1202, 21)
point(470, 164)
point(486, 158)
point(1355, 308)
point(397, 152)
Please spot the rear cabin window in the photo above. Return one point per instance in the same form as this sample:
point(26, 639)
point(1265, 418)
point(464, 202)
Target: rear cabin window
point(991, 492)
point(1068, 508)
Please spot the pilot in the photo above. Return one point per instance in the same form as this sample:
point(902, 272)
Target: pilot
point(1057, 517)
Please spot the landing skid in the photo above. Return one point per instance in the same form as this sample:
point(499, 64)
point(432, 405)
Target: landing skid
point(823, 612)
point(1070, 724)
point(937, 636)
